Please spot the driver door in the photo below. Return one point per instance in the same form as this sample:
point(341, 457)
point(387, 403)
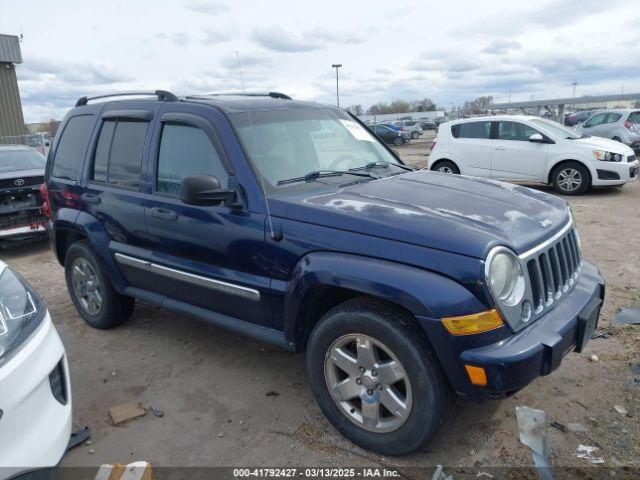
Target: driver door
point(210, 257)
point(514, 156)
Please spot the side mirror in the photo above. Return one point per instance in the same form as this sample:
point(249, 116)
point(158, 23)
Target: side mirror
point(204, 190)
point(537, 138)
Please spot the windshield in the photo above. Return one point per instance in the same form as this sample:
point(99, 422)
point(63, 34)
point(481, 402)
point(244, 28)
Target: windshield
point(11, 160)
point(289, 143)
point(554, 129)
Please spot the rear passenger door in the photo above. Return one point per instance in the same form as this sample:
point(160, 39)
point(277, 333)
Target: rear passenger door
point(211, 257)
point(473, 147)
point(112, 193)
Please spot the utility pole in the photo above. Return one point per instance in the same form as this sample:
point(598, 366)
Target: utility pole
point(574, 83)
point(337, 66)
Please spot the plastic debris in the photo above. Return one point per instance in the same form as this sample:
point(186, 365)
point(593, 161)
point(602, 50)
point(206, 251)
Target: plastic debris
point(576, 427)
point(560, 426)
point(594, 358)
point(78, 437)
point(440, 475)
point(627, 316)
point(585, 451)
point(620, 409)
point(532, 425)
point(156, 413)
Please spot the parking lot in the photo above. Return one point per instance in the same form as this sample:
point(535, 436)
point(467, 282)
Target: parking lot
point(231, 400)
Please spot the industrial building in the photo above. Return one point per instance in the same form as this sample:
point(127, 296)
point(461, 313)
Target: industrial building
point(11, 117)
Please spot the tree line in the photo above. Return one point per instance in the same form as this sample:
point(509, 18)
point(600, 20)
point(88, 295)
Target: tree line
point(471, 107)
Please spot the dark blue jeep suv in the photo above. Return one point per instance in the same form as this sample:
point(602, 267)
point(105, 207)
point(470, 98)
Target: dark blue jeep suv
point(291, 222)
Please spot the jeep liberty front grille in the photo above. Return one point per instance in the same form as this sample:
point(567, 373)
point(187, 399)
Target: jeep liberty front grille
point(553, 269)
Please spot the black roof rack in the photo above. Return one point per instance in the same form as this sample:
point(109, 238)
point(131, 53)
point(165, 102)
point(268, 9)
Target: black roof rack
point(268, 94)
point(163, 96)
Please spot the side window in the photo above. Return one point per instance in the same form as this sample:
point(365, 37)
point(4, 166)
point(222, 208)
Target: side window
point(186, 151)
point(72, 146)
point(634, 117)
point(612, 117)
point(118, 156)
point(472, 130)
point(595, 120)
point(515, 131)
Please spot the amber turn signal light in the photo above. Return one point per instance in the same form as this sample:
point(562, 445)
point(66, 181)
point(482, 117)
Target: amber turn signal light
point(474, 323)
point(477, 375)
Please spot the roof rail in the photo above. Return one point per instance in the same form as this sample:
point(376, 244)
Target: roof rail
point(163, 96)
point(241, 94)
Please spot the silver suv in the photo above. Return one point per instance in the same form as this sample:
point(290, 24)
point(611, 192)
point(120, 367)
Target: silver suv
point(411, 126)
point(621, 124)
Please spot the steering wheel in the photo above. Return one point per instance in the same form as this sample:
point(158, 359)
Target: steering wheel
point(341, 159)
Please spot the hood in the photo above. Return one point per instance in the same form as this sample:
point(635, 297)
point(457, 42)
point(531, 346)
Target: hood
point(600, 143)
point(36, 172)
point(455, 213)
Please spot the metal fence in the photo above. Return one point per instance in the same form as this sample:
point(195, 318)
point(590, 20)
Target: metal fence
point(37, 141)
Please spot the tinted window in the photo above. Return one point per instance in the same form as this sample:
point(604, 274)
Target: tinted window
point(186, 151)
point(71, 147)
point(595, 120)
point(515, 131)
point(634, 117)
point(612, 117)
point(118, 156)
point(471, 130)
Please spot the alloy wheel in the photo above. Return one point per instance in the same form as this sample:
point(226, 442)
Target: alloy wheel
point(444, 169)
point(368, 383)
point(86, 286)
point(569, 179)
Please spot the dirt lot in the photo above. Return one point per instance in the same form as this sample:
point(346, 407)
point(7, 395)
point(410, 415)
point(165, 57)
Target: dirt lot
point(230, 400)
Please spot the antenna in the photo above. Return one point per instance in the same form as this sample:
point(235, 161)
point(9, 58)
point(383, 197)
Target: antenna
point(255, 149)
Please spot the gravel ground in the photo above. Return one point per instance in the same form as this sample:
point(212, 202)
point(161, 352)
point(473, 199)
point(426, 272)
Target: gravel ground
point(230, 400)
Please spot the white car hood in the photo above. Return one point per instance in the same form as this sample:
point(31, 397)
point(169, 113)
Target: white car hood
point(599, 143)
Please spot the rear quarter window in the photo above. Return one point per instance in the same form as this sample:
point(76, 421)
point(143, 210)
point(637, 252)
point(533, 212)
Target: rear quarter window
point(471, 130)
point(72, 147)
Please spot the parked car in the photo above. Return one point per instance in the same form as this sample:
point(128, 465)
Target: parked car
point(35, 400)
point(527, 148)
point(402, 286)
point(428, 124)
point(21, 175)
point(576, 118)
point(406, 136)
point(389, 135)
point(622, 125)
point(413, 127)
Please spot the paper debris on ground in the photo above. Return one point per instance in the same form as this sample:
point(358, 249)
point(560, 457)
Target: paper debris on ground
point(532, 425)
point(126, 411)
point(620, 409)
point(586, 451)
point(132, 471)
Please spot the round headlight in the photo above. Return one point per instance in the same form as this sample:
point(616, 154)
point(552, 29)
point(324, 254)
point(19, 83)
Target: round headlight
point(506, 278)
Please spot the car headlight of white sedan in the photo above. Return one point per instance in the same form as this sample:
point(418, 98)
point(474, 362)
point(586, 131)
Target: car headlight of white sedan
point(605, 156)
point(21, 311)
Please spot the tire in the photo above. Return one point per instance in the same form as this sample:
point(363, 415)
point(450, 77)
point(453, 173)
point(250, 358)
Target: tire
point(571, 178)
point(113, 309)
point(414, 135)
point(422, 389)
point(397, 141)
point(617, 139)
point(446, 166)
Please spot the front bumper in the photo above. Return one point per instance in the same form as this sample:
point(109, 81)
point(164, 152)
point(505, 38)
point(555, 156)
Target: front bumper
point(35, 427)
point(615, 173)
point(538, 350)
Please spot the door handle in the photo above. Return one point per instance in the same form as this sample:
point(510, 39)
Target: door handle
point(500, 148)
point(164, 213)
point(91, 198)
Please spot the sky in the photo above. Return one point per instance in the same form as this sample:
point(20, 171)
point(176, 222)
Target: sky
point(449, 51)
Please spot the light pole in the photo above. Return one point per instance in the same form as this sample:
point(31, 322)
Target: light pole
point(337, 66)
point(574, 88)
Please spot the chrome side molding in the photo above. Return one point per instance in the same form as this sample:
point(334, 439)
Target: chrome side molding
point(206, 282)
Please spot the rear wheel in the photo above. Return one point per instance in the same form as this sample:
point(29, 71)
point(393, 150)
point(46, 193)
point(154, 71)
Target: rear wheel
point(91, 291)
point(414, 135)
point(446, 166)
point(617, 139)
point(571, 178)
point(375, 378)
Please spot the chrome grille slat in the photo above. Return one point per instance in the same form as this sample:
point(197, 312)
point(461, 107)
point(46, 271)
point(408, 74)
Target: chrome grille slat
point(552, 269)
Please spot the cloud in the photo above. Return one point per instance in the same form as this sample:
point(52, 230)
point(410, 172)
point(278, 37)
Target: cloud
point(179, 39)
point(251, 60)
point(212, 37)
point(500, 46)
point(89, 73)
point(208, 7)
point(280, 39)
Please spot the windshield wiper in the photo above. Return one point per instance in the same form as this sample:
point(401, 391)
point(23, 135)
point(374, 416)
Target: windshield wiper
point(380, 163)
point(322, 174)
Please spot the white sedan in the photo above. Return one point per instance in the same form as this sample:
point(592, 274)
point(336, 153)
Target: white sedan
point(531, 149)
point(35, 393)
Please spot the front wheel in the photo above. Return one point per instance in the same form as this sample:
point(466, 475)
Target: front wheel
point(398, 141)
point(570, 178)
point(375, 378)
point(414, 135)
